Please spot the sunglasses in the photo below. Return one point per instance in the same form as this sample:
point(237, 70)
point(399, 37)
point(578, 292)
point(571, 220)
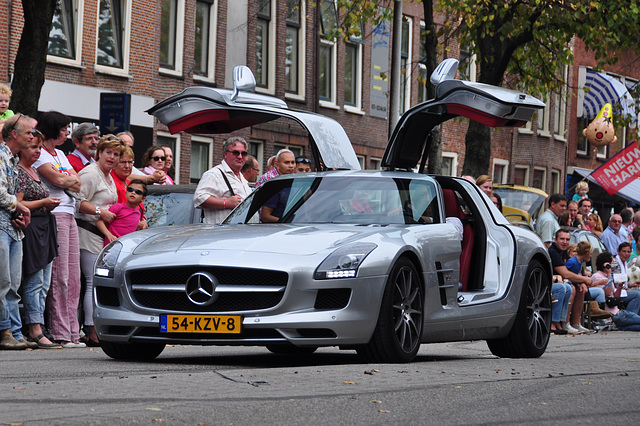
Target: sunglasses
point(303, 160)
point(239, 153)
point(158, 158)
point(608, 266)
point(137, 191)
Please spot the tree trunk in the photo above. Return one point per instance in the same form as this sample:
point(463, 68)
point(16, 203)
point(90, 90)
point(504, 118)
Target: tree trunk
point(477, 153)
point(431, 48)
point(31, 58)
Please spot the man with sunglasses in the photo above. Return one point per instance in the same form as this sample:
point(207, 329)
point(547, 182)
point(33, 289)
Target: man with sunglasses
point(17, 134)
point(223, 187)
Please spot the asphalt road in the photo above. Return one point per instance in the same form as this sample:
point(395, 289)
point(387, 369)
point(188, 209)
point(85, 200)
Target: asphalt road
point(593, 379)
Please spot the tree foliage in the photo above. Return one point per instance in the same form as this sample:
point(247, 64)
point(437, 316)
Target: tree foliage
point(529, 41)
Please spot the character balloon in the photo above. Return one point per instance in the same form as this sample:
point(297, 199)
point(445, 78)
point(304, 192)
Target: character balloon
point(600, 131)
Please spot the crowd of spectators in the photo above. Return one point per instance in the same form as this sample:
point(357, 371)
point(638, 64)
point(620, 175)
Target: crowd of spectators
point(57, 211)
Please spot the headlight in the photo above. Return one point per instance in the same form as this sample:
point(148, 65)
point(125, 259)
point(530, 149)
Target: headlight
point(344, 262)
point(107, 259)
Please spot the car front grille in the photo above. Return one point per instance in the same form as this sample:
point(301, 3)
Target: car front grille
point(253, 289)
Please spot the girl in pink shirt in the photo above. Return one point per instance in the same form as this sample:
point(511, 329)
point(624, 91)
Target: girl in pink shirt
point(128, 214)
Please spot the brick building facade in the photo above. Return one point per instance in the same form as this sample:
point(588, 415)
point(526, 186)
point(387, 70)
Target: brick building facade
point(167, 45)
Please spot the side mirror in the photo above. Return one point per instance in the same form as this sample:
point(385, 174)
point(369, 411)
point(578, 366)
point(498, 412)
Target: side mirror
point(446, 70)
point(243, 79)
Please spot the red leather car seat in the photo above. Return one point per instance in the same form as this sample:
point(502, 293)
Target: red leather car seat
point(452, 209)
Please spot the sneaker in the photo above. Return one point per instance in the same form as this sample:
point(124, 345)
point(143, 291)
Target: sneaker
point(73, 345)
point(581, 328)
point(570, 329)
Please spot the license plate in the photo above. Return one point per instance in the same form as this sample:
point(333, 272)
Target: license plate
point(200, 324)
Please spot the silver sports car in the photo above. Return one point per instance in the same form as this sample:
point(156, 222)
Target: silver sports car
point(374, 261)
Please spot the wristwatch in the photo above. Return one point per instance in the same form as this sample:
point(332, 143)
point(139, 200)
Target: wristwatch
point(98, 211)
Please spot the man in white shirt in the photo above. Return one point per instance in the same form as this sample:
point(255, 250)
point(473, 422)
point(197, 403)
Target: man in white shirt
point(223, 187)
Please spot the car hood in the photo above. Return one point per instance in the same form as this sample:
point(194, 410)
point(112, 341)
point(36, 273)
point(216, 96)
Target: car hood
point(257, 238)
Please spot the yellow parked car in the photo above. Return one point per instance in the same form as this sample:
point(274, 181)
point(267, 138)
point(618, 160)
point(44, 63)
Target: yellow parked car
point(521, 205)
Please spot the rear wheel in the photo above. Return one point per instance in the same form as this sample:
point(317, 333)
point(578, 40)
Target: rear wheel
point(132, 351)
point(397, 335)
point(530, 333)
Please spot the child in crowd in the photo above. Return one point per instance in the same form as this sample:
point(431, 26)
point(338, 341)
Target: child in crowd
point(128, 214)
point(582, 188)
point(5, 98)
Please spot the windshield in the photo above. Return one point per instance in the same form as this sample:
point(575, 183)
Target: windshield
point(341, 199)
point(530, 202)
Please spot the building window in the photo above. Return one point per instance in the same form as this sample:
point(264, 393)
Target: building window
point(171, 36)
point(560, 111)
point(201, 157)
point(582, 147)
point(450, 163)
point(256, 148)
point(500, 168)
point(113, 34)
point(361, 161)
point(543, 118)
point(173, 142)
point(467, 67)
point(294, 47)
point(297, 150)
point(66, 31)
point(405, 66)
point(555, 181)
point(204, 51)
point(539, 178)
point(327, 59)
point(265, 45)
point(353, 73)
point(423, 78)
point(375, 164)
point(521, 175)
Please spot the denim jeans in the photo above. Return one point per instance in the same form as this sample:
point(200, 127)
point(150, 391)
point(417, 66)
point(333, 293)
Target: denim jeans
point(559, 309)
point(632, 301)
point(597, 294)
point(627, 321)
point(10, 275)
point(34, 292)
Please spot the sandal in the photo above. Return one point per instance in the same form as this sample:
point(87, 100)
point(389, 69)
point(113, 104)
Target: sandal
point(44, 345)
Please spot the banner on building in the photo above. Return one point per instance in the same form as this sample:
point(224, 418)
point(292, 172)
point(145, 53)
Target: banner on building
point(620, 170)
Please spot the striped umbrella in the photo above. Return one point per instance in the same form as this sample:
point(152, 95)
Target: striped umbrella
point(601, 88)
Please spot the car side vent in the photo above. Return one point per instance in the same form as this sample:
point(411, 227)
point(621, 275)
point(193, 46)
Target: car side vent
point(332, 298)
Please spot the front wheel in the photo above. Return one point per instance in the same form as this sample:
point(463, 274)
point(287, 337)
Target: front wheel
point(397, 335)
point(530, 332)
point(132, 351)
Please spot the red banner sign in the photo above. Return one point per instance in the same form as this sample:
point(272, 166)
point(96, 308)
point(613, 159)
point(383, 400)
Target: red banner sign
point(620, 170)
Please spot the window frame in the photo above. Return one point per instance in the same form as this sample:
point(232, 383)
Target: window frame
point(454, 162)
point(202, 140)
point(505, 172)
point(544, 177)
point(179, 42)
point(543, 120)
point(357, 45)
point(560, 111)
point(211, 47)
point(126, 42)
point(526, 174)
point(269, 88)
point(78, 31)
point(176, 151)
point(302, 60)
point(555, 181)
point(331, 101)
point(377, 161)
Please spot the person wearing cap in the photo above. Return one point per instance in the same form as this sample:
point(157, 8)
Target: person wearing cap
point(85, 137)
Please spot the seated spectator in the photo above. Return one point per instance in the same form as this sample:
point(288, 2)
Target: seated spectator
point(615, 234)
point(630, 298)
point(577, 264)
point(594, 224)
point(559, 309)
point(559, 255)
